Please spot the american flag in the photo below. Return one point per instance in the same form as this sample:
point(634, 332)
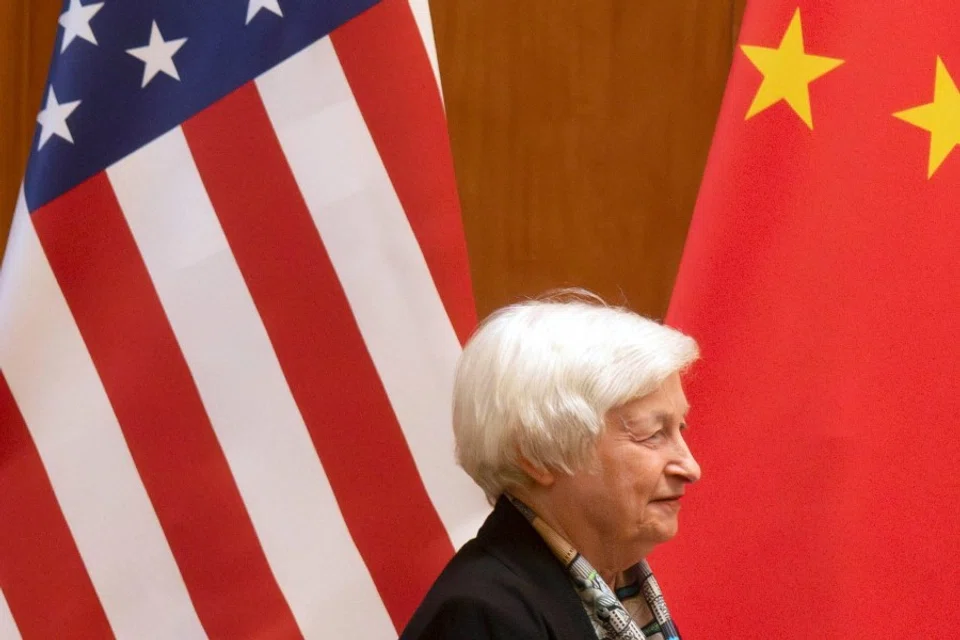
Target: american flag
point(232, 300)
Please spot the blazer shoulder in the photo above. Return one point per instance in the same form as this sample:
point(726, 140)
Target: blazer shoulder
point(504, 584)
point(471, 618)
point(477, 597)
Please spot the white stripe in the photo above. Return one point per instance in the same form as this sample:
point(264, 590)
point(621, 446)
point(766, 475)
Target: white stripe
point(421, 14)
point(379, 263)
point(8, 628)
point(242, 386)
point(66, 409)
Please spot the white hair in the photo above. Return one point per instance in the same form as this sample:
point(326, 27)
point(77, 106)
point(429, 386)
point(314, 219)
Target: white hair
point(538, 377)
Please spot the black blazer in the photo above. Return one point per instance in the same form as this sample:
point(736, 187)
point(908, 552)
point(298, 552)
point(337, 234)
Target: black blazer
point(505, 584)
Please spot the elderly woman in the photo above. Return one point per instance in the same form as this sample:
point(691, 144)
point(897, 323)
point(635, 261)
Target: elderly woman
point(570, 416)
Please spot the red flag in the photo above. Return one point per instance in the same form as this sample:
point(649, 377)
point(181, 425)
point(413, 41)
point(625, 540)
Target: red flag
point(822, 278)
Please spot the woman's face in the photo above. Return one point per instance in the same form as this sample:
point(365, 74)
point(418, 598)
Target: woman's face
point(630, 495)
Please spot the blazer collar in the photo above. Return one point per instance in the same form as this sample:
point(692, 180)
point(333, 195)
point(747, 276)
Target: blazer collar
point(508, 536)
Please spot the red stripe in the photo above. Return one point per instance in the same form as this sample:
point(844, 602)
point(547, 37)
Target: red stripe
point(386, 64)
point(323, 356)
point(42, 575)
point(108, 289)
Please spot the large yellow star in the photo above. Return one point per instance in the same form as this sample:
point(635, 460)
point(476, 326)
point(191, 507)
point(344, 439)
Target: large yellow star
point(940, 117)
point(787, 72)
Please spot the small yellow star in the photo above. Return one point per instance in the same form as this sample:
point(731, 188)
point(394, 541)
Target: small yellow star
point(940, 117)
point(787, 72)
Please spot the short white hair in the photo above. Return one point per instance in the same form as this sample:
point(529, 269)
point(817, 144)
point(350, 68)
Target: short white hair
point(537, 378)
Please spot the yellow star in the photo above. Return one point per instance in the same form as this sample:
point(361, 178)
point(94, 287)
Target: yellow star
point(787, 72)
point(940, 117)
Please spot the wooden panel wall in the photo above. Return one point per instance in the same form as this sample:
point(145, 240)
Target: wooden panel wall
point(27, 31)
point(580, 130)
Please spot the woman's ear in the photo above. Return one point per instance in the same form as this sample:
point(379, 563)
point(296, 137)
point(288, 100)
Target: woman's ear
point(540, 475)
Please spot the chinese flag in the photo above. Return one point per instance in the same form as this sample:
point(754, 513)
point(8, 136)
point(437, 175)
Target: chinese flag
point(821, 277)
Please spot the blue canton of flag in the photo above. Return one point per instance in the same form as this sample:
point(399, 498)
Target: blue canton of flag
point(127, 72)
